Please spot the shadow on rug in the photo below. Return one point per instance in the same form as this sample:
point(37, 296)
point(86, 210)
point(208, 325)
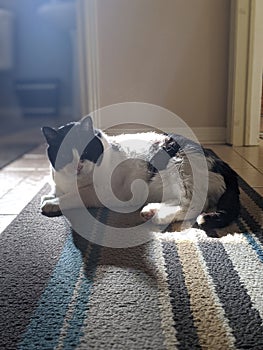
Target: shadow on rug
point(177, 291)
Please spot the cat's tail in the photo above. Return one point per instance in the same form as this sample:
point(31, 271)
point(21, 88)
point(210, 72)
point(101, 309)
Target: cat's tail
point(228, 206)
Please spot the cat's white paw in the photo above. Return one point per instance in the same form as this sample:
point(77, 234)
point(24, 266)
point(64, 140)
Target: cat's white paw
point(160, 219)
point(50, 207)
point(47, 197)
point(161, 213)
point(150, 210)
point(168, 214)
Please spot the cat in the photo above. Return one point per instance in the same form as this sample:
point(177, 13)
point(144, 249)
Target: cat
point(151, 171)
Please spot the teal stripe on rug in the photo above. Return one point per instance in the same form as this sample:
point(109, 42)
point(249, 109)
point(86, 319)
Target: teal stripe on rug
point(44, 329)
point(256, 247)
point(74, 329)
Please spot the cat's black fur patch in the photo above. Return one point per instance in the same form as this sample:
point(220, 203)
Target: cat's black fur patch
point(93, 148)
point(228, 206)
point(172, 145)
point(161, 158)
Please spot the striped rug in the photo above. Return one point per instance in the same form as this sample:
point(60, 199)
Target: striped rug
point(177, 291)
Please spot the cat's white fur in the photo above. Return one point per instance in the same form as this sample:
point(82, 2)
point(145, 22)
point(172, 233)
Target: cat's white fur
point(168, 193)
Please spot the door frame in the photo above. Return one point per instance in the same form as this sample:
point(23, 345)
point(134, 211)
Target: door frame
point(87, 36)
point(245, 72)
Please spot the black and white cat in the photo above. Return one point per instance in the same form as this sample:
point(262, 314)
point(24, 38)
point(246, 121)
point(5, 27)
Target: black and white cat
point(158, 173)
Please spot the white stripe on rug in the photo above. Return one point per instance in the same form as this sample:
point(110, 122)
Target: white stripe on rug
point(165, 306)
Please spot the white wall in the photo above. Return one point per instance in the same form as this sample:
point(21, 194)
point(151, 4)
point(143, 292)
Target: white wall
point(172, 53)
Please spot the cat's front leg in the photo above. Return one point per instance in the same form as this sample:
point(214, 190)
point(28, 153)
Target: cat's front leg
point(46, 197)
point(86, 198)
point(50, 204)
point(51, 195)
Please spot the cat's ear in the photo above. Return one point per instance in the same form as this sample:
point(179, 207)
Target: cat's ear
point(87, 123)
point(50, 134)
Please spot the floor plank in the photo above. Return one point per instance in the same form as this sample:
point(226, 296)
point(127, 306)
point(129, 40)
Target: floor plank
point(5, 220)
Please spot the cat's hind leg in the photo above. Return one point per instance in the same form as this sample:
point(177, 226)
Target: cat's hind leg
point(163, 213)
point(150, 210)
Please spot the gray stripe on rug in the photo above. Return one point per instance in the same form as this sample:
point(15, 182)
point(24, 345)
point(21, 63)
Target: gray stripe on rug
point(29, 250)
point(212, 326)
point(124, 305)
point(183, 318)
point(244, 320)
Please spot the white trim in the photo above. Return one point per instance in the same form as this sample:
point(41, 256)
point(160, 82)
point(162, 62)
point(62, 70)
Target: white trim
point(209, 135)
point(81, 48)
point(87, 33)
point(254, 82)
point(213, 135)
point(245, 72)
point(238, 50)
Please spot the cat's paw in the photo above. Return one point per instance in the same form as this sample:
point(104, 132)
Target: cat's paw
point(50, 207)
point(149, 211)
point(161, 213)
point(46, 198)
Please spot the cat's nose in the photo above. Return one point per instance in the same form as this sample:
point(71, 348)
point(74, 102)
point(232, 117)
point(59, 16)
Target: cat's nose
point(80, 167)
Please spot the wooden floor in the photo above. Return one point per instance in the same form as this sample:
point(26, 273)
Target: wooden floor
point(23, 178)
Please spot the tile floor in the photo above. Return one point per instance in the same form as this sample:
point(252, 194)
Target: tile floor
point(20, 181)
point(23, 178)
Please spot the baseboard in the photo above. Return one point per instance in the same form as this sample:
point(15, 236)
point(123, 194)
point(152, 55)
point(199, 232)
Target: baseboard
point(213, 135)
point(205, 135)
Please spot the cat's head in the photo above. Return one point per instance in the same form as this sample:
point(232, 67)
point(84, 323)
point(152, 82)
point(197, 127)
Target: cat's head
point(74, 143)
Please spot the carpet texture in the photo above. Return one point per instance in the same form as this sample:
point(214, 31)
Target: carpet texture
point(177, 291)
point(10, 152)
